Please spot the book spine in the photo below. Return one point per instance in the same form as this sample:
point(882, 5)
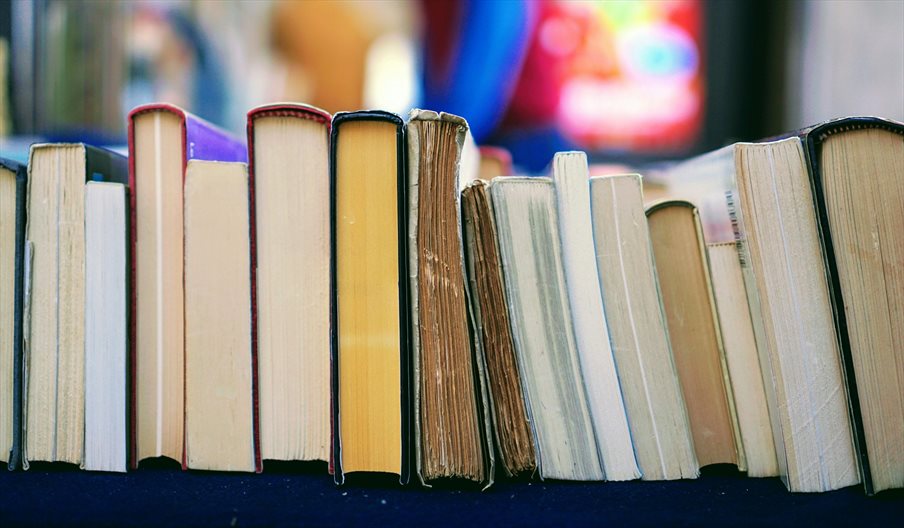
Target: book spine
point(18, 357)
point(252, 238)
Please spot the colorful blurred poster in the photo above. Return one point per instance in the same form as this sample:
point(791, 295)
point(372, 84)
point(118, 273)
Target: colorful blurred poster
point(629, 73)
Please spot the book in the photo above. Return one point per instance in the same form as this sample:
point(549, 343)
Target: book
point(637, 327)
point(13, 185)
point(742, 359)
point(792, 163)
point(288, 151)
point(570, 175)
point(541, 320)
point(694, 332)
point(54, 329)
point(451, 432)
point(162, 139)
point(776, 227)
point(370, 373)
point(220, 422)
point(106, 326)
point(856, 169)
point(511, 429)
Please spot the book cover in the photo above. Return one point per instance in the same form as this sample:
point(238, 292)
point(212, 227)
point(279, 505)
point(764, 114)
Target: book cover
point(21, 171)
point(202, 141)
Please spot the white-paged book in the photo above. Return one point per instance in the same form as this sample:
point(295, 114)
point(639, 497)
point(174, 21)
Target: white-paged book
point(570, 175)
point(106, 326)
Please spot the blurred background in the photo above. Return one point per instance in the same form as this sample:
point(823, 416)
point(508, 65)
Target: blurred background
point(628, 81)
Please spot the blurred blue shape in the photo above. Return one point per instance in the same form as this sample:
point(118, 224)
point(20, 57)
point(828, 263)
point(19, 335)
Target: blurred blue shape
point(492, 40)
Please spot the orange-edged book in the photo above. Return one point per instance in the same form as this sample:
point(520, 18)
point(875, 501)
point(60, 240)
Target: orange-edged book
point(370, 366)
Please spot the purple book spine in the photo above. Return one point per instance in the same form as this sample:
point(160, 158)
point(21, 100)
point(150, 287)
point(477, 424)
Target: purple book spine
point(204, 141)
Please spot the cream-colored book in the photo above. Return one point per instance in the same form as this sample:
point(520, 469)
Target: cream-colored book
point(638, 329)
point(219, 416)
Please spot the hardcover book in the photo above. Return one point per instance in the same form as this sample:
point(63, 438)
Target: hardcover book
point(54, 318)
point(856, 168)
point(288, 151)
point(162, 139)
point(370, 373)
point(13, 185)
point(694, 331)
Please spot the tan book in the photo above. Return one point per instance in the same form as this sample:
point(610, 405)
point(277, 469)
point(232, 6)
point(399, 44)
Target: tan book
point(219, 417)
point(638, 330)
point(857, 168)
point(777, 225)
point(739, 342)
point(694, 331)
point(55, 294)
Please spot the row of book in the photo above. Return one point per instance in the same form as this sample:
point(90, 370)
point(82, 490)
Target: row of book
point(369, 291)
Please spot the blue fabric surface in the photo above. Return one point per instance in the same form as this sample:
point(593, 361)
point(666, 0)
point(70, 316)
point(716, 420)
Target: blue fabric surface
point(294, 494)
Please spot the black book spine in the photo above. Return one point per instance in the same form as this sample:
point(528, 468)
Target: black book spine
point(106, 165)
point(813, 139)
point(405, 400)
point(19, 291)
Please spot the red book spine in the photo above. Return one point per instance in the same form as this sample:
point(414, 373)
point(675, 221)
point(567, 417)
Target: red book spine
point(274, 110)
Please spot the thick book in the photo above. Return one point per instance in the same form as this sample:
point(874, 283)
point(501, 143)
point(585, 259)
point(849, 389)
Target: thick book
point(162, 139)
point(370, 372)
point(106, 326)
point(13, 185)
point(856, 169)
point(694, 331)
point(637, 327)
point(511, 430)
point(452, 431)
point(768, 206)
point(220, 421)
point(54, 318)
point(288, 154)
point(540, 315)
point(570, 175)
